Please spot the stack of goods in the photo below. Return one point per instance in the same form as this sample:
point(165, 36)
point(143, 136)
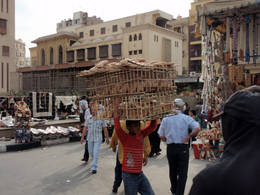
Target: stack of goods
point(146, 88)
point(205, 148)
point(22, 119)
point(54, 132)
point(236, 73)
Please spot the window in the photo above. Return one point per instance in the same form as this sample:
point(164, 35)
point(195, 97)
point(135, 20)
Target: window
point(135, 52)
point(91, 33)
point(2, 71)
point(116, 50)
point(60, 55)
point(140, 36)
point(70, 56)
point(92, 53)
point(140, 51)
point(51, 55)
point(80, 55)
point(7, 77)
point(130, 53)
point(7, 5)
point(72, 42)
point(130, 38)
point(128, 24)
point(3, 26)
point(114, 28)
point(103, 51)
point(5, 51)
point(43, 57)
point(2, 5)
point(103, 30)
point(81, 34)
point(135, 37)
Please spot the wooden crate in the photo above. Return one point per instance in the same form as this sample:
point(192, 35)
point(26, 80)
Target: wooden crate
point(142, 106)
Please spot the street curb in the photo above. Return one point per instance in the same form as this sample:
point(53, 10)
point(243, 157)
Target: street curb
point(2, 148)
point(26, 146)
point(55, 141)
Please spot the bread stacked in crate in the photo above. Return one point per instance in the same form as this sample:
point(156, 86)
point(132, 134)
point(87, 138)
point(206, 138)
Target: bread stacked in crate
point(146, 89)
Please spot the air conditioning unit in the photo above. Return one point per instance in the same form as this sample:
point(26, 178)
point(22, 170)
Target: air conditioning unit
point(192, 74)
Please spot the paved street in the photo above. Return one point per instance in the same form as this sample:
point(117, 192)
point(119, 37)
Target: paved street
point(58, 170)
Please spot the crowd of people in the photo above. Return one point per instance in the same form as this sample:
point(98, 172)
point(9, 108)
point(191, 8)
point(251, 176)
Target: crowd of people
point(236, 172)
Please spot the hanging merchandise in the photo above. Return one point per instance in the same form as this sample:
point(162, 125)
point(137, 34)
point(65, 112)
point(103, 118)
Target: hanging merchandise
point(234, 40)
point(22, 118)
point(247, 20)
point(254, 39)
point(227, 50)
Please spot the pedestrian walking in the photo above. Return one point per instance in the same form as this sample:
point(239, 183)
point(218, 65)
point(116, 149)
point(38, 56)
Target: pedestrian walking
point(238, 170)
point(117, 147)
point(174, 131)
point(155, 142)
point(94, 126)
point(133, 146)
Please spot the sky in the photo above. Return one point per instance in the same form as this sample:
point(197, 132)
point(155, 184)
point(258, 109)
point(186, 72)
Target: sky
point(37, 18)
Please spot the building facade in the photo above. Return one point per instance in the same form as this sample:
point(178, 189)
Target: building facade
point(181, 25)
point(80, 19)
point(7, 46)
point(195, 42)
point(20, 53)
point(63, 55)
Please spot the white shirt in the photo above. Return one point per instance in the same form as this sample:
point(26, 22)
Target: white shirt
point(83, 104)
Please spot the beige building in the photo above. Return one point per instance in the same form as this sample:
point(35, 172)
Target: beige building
point(80, 19)
point(20, 53)
point(59, 57)
point(7, 47)
point(139, 36)
point(181, 25)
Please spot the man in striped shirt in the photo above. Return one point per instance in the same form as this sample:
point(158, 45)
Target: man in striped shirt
point(94, 137)
point(133, 146)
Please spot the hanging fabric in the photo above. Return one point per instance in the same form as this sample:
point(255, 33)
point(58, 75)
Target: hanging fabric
point(227, 41)
point(234, 40)
point(254, 39)
point(247, 20)
point(241, 42)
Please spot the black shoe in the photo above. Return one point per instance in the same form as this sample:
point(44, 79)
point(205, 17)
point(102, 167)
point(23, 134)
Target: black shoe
point(114, 190)
point(83, 159)
point(93, 171)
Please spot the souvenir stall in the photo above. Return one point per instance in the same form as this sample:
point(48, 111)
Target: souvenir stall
point(145, 88)
point(22, 119)
point(230, 41)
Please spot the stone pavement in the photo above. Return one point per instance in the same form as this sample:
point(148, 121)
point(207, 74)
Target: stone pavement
point(58, 170)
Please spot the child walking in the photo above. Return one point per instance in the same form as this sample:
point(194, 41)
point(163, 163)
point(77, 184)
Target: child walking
point(133, 147)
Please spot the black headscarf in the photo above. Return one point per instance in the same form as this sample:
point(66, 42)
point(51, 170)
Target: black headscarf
point(238, 171)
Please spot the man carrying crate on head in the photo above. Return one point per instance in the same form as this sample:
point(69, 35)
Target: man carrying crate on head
point(133, 146)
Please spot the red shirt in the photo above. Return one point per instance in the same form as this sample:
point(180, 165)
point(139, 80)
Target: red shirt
point(133, 146)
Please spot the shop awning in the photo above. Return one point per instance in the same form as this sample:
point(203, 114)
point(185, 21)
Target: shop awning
point(187, 80)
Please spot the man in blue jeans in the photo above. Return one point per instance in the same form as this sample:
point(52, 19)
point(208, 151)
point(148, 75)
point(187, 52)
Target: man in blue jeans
point(94, 137)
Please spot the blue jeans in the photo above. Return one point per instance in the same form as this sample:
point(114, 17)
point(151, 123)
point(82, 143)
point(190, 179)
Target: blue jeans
point(134, 183)
point(93, 149)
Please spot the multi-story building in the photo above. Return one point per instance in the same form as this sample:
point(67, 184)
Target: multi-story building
point(195, 43)
point(7, 47)
point(20, 53)
point(80, 19)
point(59, 57)
point(181, 25)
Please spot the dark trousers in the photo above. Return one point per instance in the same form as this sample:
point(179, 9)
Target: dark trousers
point(178, 159)
point(86, 154)
point(118, 173)
point(155, 142)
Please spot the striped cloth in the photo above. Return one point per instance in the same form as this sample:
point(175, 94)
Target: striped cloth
point(95, 128)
